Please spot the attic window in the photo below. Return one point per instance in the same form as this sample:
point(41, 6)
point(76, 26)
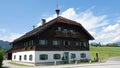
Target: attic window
point(71, 31)
point(59, 28)
point(65, 30)
point(55, 42)
point(66, 43)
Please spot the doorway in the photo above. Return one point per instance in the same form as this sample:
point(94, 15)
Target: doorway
point(66, 57)
point(9, 56)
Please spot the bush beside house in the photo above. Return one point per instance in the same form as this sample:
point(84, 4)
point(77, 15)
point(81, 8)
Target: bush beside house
point(1, 57)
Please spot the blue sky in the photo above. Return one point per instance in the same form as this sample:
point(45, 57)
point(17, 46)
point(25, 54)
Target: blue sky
point(18, 16)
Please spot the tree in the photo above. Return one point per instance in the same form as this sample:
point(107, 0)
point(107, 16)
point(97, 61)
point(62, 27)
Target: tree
point(96, 44)
point(112, 45)
point(1, 57)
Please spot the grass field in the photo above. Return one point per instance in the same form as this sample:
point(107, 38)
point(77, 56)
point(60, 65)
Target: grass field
point(104, 52)
point(18, 64)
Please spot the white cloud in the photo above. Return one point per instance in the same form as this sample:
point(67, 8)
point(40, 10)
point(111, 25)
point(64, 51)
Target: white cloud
point(86, 18)
point(111, 33)
point(111, 28)
point(118, 21)
point(98, 26)
point(48, 19)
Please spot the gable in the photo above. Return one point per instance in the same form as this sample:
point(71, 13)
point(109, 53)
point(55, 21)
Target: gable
point(59, 19)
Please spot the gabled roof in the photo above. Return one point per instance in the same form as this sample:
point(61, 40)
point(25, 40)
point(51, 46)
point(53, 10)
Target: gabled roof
point(46, 25)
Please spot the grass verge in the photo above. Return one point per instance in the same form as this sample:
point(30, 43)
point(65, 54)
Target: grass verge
point(18, 64)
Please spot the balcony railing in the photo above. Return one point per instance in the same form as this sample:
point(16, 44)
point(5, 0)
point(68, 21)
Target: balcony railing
point(67, 34)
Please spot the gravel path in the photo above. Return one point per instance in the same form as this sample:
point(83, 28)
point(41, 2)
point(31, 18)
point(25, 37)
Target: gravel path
point(114, 59)
point(111, 63)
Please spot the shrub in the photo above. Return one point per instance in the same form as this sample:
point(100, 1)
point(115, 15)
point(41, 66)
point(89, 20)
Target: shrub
point(1, 57)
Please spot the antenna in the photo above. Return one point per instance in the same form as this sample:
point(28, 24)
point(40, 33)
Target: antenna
point(57, 10)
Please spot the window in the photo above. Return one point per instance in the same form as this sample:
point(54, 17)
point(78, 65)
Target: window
point(83, 55)
point(14, 56)
point(42, 42)
point(57, 56)
point(65, 30)
point(84, 43)
point(43, 57)
point(25, 57)
point(30, 57)
point(73, 56)
point(55, 42)
point(59, 28)
point(20, 57)
point(71, 31)
point(80, 43)
point(66, 43)
point(76, 43)
point(31, 42)
point(26, 44)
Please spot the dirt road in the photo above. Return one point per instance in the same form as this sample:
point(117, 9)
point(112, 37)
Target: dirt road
point(110, 63)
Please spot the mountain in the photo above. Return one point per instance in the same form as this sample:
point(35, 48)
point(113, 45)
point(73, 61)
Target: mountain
point(5, 45)
point(118, 43)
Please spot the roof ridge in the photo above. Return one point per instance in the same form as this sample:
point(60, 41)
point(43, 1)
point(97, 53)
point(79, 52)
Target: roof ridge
point(38, 29)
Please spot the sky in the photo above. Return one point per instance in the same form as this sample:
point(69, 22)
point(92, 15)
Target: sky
point(100, 17)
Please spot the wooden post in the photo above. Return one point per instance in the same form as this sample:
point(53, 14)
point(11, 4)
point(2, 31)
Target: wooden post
point(90, 61)
point(75, 61)
point(55, 62)
point(97, 57)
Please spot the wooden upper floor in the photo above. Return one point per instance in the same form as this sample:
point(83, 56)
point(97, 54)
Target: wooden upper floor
point(58, 34)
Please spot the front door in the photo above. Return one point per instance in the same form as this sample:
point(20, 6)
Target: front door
point(66, 57)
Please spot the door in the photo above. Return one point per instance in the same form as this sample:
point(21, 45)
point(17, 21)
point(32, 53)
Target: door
point(66, 57)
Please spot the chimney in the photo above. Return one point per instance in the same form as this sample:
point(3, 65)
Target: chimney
point(33, 27)
point(43, 21)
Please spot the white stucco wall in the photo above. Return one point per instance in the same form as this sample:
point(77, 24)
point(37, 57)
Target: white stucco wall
point(22, 56)
point(51, 53)
point(36, 54)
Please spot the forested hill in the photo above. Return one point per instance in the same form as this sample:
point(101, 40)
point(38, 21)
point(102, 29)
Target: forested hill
point(5, 45)
point(118, 43)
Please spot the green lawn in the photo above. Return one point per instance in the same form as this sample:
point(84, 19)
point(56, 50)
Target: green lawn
point(104, 52)
point(18, 64)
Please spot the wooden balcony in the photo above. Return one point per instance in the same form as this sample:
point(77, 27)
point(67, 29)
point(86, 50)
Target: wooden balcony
point(67, 34)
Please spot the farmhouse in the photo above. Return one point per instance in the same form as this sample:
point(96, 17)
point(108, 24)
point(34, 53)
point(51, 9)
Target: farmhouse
point(58, 40)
